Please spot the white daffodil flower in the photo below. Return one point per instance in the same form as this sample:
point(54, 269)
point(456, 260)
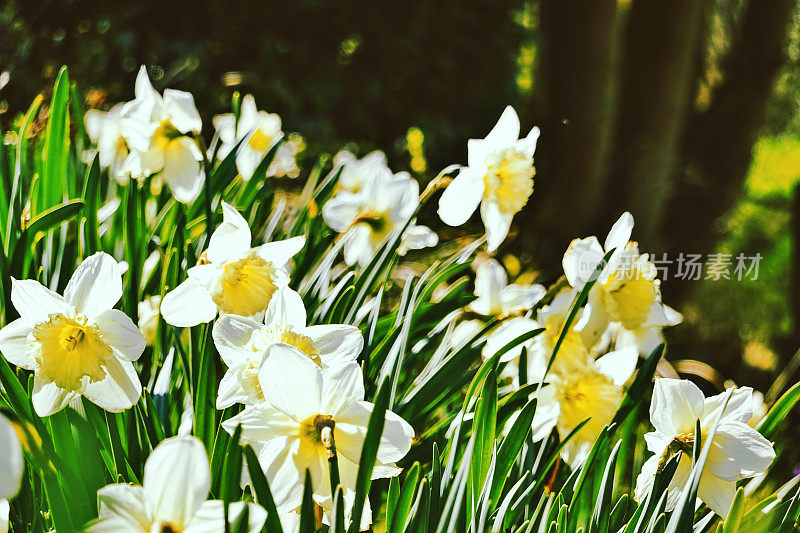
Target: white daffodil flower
point(370, 216)
point(104, 128)
point(148, 317)
point(304, 402)
point(233, 278)
point(158, 130)
point(499, 177)
point(76, 344)
point(172, 497)
point(259, 129)
point(626, 290)
point(11, 464)
point(241, 343)
point(590, 389)
point(496, 297)
point(737, 450)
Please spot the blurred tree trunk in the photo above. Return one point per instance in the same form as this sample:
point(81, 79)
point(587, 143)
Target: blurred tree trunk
point(663, 43)
point(625, 134)
point(574, 108)
point(718, 143)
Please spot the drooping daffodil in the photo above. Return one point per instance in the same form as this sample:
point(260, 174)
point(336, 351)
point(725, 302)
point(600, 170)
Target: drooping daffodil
point(172, 497)
point(737, 450)
point(257, 130)
point(159, 133)
point(232, 277)
point(304, 405)
point(499, 177)
point(241, 342)
point(551, 318)
point(76, 344)
point(583, 390)
point(105, 129)
point(496, 297)
point(627, 289)
point(367, 218)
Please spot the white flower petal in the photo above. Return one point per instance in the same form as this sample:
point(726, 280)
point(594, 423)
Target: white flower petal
point(416, 238)
point(619, 364)
point(144, 89)
point(520, 297)
point(506, 132)
point(210, 518)
point(351, 428)
point(247, 160)
point(14, 344)
point(528, 145)
point(341, 386)
point(176, 480)
point(279, 253)
point(620, 232)
point(291, 381)
point(182, 111)
point(96, 285)
point(581, 260)
point(34, 302)
point(286, 308)
point(739, 407)
point(676, 405)
point(337, 344)
point(718, 494)
point(490, 280)
point(182, 170)
point(189, 304)
point(284, 462)
point(231, 239)
point(262, 423)
point(119, 390)
point(114, 524)
point(231, 390)
point(122, 334)
point(546, 415)
point(497, 224)
point(231, 334)
point(461, 197)
point(122, 500)
point(738, 452)
point(49, 398)
point(340, 211)
point(10, 460)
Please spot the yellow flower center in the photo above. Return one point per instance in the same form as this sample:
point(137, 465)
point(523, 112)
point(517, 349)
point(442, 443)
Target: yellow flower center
point(572, 347)
point(165, 527)
point(682, 442)
point(509, 182)
point(591, 395)
point(311, 428)
point(260, 341)
point(165, 134)
point(378, 222)
point(628, 297)
point(246, 286)
point(260, 141)
point(68, 349)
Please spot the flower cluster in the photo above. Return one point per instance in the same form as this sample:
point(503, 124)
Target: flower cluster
point(299, 314)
